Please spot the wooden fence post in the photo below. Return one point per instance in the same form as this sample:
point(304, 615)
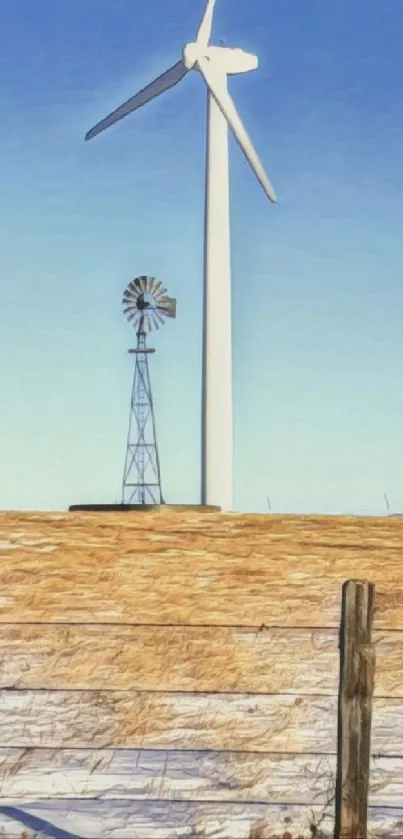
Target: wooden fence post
point(357, 670)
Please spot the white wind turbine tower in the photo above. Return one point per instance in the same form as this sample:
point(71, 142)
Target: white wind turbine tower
point(214, 64)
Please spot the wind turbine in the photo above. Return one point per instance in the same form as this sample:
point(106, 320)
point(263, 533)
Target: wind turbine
point(214, 64)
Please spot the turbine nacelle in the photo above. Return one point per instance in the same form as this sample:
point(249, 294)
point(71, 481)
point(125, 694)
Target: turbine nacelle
point(228, 60)
point(232, 61)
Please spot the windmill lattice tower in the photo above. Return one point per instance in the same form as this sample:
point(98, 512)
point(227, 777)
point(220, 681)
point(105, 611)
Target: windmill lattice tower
point(146, 306)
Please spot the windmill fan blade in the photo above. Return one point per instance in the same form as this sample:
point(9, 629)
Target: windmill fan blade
point(131, 312)
point(129, 306)
point(130, 300)
point(154, 284)
point(131, 290)
point(160, 294)
point(138, 282)
point(204, 31)
point(164, 82)
point(143, 284)
point(150, 284)
point(155, 322)
point(226, 105)
point(158, 317)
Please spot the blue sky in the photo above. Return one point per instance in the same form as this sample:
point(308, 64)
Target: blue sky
point(317, 279)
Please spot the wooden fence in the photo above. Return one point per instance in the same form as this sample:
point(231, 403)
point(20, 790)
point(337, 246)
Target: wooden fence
point(178, 676)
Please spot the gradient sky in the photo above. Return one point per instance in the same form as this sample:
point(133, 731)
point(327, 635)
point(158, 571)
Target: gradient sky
point(317, 279)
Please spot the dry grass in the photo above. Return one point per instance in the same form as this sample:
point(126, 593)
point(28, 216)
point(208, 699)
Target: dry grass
point(190, 568)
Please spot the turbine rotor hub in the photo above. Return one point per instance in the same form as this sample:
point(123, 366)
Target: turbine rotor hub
point(191, 53)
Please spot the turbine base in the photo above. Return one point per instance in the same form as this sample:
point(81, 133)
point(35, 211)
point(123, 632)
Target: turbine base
point(143, 508)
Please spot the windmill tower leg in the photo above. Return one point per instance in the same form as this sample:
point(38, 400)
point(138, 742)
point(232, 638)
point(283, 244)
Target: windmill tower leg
point(217, 433)
point(141, 476)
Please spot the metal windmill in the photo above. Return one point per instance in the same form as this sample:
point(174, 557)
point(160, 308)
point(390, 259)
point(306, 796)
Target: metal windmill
point(146, 305)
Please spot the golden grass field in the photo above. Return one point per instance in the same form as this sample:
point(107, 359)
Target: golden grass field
point(196, 569)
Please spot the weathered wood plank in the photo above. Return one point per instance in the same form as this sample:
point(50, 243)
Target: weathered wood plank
point(179, 775)
point(183, 820)
point(178, 658)
point(195, 569)
point(216, 659)
point(28, 774)
point(168, 720)
point(173, 658)
point(234, 722)
point(357, 674)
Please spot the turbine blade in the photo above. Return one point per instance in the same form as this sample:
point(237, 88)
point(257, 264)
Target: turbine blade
point(204, 31)
point(164, 82)
point(227, 107)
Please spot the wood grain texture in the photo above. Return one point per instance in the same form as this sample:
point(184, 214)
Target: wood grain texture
point(183, 820)
point(217, 659)
point(168, 720)
point(179, 658)
point(357, 672)
point(179, 775)
point(38, 774)
point(195, 569)
point(222, 722)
